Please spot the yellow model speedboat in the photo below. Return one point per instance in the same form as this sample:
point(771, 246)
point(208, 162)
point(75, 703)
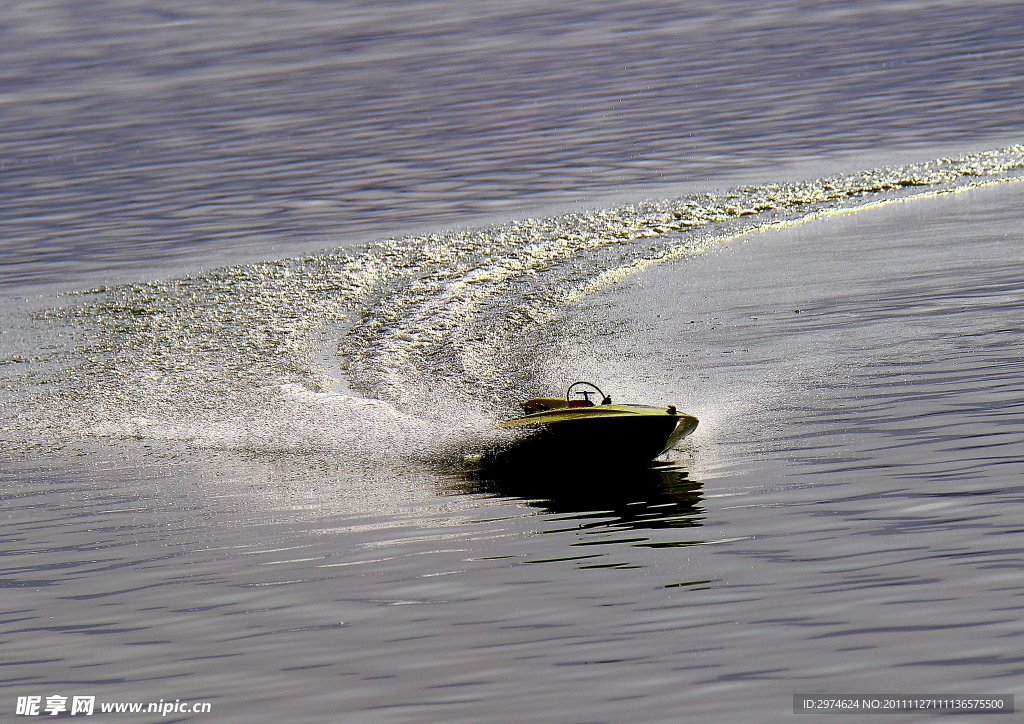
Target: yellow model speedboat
point(563, 429)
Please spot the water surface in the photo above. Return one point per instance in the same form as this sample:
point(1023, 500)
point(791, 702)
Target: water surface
point(232, 455)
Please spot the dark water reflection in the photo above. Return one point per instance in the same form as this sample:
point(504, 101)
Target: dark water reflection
point(661, 496)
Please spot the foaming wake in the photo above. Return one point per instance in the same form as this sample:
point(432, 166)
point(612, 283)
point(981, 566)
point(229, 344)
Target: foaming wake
point(292, 420)
point(437, 336)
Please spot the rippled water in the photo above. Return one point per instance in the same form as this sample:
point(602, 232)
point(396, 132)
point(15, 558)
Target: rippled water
point(246, 484)
point(847, 520)
point(187, 133)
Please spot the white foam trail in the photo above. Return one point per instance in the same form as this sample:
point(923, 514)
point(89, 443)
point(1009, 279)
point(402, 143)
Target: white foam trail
point(441, 333)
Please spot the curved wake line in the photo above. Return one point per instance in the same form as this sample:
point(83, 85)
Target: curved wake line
point(466, 317)
point(613, 276)
point(449, 313)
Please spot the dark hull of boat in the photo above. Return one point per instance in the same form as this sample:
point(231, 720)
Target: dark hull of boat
point(609, 441)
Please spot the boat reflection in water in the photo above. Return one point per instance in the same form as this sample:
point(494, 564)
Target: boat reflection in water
point(658, 495)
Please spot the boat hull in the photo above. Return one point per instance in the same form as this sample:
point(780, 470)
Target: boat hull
point(626, 440)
